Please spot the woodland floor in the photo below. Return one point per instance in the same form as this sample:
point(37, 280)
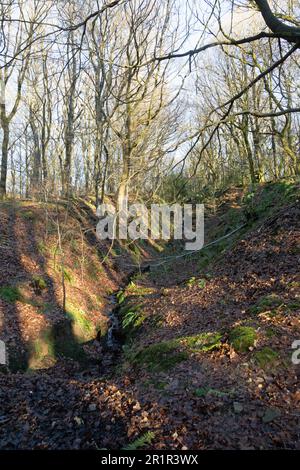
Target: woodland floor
point(181, 375)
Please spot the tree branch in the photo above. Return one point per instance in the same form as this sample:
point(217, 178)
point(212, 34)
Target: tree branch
point(290, 33)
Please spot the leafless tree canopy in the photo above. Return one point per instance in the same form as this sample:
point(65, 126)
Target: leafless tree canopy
point(147, 99)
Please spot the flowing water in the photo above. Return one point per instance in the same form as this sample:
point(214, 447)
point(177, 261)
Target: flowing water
point(113, 334)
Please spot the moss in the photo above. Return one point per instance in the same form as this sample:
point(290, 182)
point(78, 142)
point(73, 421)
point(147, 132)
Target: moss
point(294, 285)
point(83, 328)
point(72, 349)
point(134, 289)
point(193, 281)
point(54, 342)
point(242, 338)
point(295, 305)
point(160, 357)
point(165, 355)
point(42, 248)
point(94, 271)
point(272, 303)
point(203, 342)
point(67, 275)
point(101, 328)
point(269, 302)
point(266, 357)
point(10, 294)
point(42, 351)
point(266, 200)
point(39, 282)
point(270, 332)
point(28, 215)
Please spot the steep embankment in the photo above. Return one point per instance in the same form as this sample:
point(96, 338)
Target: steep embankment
point(208, 338)
point(54, 283)
point(216, 351)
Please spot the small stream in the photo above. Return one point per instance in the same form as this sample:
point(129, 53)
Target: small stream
point(114, 337)
point(113, 341)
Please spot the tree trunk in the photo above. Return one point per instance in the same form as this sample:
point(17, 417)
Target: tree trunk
point(4, 159)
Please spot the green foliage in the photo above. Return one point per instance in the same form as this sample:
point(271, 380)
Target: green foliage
point(261, 203)
point(132, 318)
point(143, 440)
point(242, 338)
point(10, 294)
point(121, 297)
point(191, 282)
point(202, 283)
point(266, 357)
point(180, 188)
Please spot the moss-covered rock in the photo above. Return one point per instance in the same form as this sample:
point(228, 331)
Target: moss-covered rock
point(203, 342)
point(165, 355)
point(242, 338)
point(159, 357)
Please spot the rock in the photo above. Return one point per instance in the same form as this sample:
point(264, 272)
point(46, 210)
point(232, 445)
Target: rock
point(92, 407)
point(271, 414)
